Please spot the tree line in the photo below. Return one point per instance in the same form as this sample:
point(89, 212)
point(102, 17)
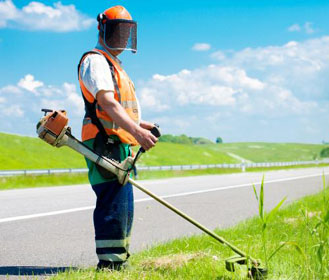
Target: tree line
point(184, 139)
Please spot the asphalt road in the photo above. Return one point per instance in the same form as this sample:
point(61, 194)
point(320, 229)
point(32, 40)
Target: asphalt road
point(48, 229)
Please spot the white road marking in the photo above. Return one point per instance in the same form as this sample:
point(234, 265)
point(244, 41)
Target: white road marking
point(60, 212)
point(46, 214)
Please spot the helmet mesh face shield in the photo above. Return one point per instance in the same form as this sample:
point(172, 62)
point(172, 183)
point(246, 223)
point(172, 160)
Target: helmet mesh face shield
point(120, 34)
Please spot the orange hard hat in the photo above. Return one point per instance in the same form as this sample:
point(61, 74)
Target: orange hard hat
point(117, 12)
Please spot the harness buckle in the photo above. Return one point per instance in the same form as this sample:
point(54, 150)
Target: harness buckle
point(110, 141)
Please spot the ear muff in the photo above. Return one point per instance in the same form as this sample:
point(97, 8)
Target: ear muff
point(101, 18)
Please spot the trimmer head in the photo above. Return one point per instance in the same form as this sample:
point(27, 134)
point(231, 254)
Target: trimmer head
point(256, 271)
point(259, 272)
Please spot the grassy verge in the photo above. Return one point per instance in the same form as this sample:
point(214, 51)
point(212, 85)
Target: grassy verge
point(145, 175)
point(33, 181)
point(298, 226)
point(271, 152)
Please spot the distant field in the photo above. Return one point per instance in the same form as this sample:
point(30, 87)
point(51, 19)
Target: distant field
point(271, 152)
point(17, 152)
point(180, 154)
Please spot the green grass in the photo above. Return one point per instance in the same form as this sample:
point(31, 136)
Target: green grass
point(200, 257)
point(272, 152)
point(180, 154)
point(33, 181)
point(18, 152)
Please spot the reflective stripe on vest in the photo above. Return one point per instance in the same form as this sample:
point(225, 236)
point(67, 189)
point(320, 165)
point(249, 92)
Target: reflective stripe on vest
point(106, 124)
point(128, 102)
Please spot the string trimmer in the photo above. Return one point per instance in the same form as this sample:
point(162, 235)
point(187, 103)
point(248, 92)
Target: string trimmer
point(53, 128)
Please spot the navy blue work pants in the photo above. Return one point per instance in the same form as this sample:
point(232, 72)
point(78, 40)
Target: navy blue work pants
point(113, 218)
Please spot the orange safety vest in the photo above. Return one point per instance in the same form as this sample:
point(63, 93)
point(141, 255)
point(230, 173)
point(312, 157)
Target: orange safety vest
point(124, 93)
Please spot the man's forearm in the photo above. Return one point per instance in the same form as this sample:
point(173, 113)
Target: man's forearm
point(118, 114)
point(120, 117)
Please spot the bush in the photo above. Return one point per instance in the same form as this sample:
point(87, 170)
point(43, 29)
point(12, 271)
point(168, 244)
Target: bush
point(183, 139)
point(324, 153)
point(219, 140)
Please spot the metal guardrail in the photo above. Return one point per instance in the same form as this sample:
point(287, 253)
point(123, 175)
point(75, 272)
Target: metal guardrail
point(42, 171)
point(241, 166)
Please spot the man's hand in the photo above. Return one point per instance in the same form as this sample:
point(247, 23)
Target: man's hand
point(146, 125)
point(118, 114)
point(145, 138)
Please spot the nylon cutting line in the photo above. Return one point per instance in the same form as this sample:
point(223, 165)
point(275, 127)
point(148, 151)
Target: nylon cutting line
point(60, 212)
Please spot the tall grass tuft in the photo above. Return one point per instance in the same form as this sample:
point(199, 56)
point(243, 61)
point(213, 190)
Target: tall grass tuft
point(318, 268)
point(265, 218)
point(316, 258)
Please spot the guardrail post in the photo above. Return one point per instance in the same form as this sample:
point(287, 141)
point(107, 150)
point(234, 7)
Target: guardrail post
point(243, 166)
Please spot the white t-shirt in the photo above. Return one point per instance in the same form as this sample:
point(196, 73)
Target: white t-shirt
point(96, 74)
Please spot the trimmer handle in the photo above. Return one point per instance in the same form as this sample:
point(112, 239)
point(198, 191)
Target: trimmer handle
point(45, 111)
point(156, 132)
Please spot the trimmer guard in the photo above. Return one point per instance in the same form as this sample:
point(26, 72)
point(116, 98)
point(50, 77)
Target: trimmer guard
point(254, 271)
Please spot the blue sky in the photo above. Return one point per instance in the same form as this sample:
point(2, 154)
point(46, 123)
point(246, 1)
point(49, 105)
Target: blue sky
point(242, 70)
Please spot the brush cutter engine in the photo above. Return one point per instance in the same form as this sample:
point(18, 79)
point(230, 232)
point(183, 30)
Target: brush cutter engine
point(52, 127)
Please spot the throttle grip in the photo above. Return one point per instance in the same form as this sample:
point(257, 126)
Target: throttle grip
point(156, 132)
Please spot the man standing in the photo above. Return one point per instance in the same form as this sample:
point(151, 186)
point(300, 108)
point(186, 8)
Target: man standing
point(111, 125)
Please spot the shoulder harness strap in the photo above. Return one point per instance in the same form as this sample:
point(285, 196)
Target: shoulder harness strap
point(91, 107)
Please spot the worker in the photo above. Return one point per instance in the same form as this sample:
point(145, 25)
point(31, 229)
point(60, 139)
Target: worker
point(112, 124)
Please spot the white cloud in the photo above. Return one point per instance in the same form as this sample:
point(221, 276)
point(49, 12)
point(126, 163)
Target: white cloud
point(13, 110)
point(24, 101)
point(63, 98)
point(38, 16)
point(213, 85)
point(270, 84)
point(10, 89)
point(8, 11)
point(307, 28)
point(294, 28)
point(29, 83)
point(218, 55)
point(200, 47)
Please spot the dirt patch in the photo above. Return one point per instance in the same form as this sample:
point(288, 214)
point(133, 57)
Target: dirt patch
point(291, 220)
point(313, 214)
point(171, 261)
point(298, 219)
